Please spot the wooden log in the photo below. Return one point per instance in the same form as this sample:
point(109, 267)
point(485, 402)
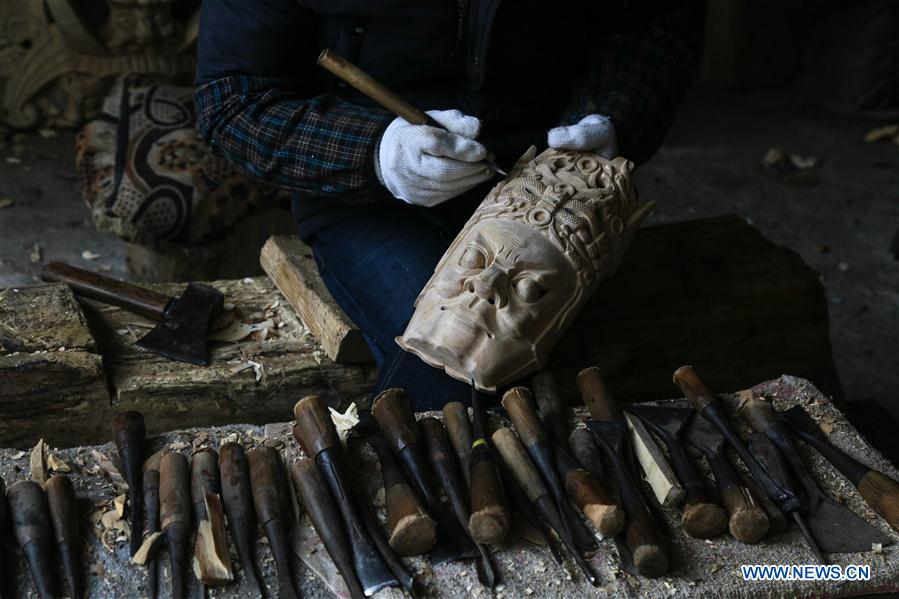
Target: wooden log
point(51, 376)
point(290, 264)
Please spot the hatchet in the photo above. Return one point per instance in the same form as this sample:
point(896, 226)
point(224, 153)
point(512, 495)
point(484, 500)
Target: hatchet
point(183, 321)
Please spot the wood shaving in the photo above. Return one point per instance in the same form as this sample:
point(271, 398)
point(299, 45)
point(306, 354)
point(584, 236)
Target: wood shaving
point(110, 470)
point(147, 549)
point(57, 465)
point(885, 132)
point(258, 369)
point(346, 421)
point(237, 331)
point(38, 471)
point(119, 503)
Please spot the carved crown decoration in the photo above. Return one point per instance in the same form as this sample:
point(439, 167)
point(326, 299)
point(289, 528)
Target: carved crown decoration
point(585, 205)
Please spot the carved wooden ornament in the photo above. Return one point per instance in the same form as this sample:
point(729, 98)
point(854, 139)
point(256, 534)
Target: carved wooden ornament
point(523, 265)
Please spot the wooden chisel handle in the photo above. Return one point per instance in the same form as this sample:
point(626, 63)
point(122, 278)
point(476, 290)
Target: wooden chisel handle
point(519, 462)
point(348, 72)
point(747, 520)
point(596, 395)
point(458, 427)
point(880, 491)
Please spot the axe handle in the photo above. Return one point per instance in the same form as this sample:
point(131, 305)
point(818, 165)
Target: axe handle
point(108, 290)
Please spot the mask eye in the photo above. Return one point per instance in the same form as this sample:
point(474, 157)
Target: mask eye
point(528, 290)
point(472, 259)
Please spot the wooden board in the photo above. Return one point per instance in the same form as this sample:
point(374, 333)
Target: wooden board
point(290, 264)
point(51, 376)
point(172, 394)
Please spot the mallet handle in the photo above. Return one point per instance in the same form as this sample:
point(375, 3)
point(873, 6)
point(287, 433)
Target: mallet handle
point(108, 290)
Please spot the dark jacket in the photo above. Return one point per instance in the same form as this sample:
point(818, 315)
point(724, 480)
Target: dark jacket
point(521, 67)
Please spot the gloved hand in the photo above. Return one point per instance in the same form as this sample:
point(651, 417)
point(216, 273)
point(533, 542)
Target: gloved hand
point(424, 165)
point(594, 133)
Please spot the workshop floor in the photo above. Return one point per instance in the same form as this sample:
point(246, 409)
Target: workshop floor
point(839, 215)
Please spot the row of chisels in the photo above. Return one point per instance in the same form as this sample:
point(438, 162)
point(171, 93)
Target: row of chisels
point(456, 487)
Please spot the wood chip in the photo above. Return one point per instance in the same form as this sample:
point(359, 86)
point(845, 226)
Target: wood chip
point(110, 470)
point(885, 132)
point(5, 202)
point(346, 421)
point(89, 255)
point(147, 549)
point(57, 465)
point(110, 518)
point(39, 472)
point(35, 254)
point(119, 503)
point(238, 331)
point(212, 560)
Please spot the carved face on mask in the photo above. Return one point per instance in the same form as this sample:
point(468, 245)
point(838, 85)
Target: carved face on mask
point(523, 265)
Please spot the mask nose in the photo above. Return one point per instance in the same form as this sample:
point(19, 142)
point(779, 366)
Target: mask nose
point(490, 286)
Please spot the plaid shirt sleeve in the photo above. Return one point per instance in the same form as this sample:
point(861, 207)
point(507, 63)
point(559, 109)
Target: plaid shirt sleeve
point(638, 80)
point(321, 145)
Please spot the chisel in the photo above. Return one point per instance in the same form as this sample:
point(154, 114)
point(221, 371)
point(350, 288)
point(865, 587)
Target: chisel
point(316, 434)
point(130, 433)
point(354, 76)
point(319, 504)
point(489, 522)
point(710, 408)
point(880, 491)
point(273, 511)
point(30, 518)
point(516, 459)
point(642, 538)
point(238, 499)
point(175, 514)
point(396, 421)
point(442, 464)
point(66, 528)
point(518, 402)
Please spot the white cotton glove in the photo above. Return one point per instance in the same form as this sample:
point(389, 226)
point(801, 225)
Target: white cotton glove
point(594, 133)
point(424, 165)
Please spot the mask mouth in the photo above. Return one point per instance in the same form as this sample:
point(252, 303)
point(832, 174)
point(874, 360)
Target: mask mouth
point(468, 320)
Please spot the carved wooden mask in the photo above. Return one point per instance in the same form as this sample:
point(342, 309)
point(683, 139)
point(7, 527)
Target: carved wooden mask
point(523, 266)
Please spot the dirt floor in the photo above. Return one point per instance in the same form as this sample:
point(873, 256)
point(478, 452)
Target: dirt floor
point(840, 215)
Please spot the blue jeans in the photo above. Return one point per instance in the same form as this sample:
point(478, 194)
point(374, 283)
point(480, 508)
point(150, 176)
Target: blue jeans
point(375, 259)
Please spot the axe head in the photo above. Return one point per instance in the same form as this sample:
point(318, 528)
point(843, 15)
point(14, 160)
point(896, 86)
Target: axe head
point(181, 335)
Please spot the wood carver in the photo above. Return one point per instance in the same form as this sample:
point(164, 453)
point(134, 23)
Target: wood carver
point(524, 264)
